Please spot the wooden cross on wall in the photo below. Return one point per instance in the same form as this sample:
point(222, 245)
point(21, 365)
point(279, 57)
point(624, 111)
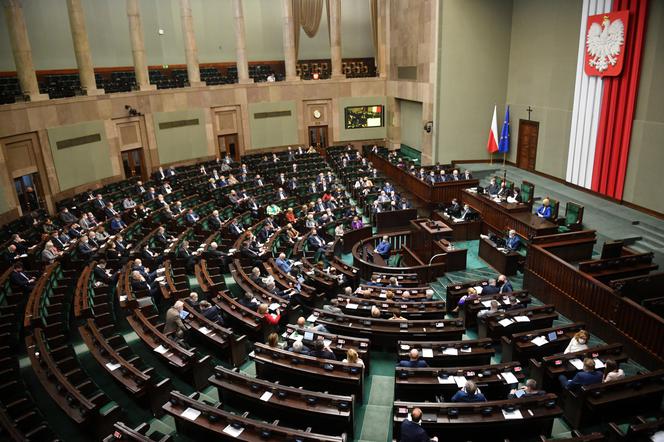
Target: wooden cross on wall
point(529, 110)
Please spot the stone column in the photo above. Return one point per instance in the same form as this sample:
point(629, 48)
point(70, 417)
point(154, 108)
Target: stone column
point(381, 52)
point(18, 36)
point(240, 44)
point(335, 38)
point(138, 47)
point(190, 50)
point(289, 40)
point(82, 48)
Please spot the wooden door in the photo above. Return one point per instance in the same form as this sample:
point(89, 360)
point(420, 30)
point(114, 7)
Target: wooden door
point(228, 145)
point(527, 147)
point(318, 136)
point(133, 163)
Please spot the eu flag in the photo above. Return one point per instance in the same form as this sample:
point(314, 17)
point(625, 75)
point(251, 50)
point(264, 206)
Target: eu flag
point(504, 143)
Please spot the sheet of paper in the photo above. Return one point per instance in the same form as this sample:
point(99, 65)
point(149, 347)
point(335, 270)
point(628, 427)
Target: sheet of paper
point(266, 396)
point(190, 413)
point(466, 350)
point(539, 341)
point(405, 347)
point(451, 352)
point(577, 363)
point(522, 319)
point(479, 289)
point(486, 303)
point(204, 330)
point(516, 414)
point(460, 381)
point(599, 364)
point(505, 322)
point(161, 350)
point(352, 306)
point(327, 342)
point(509, 377)
point(312, 318)
point(232, 431)
point(383, 295)
point(506, 300)
point(449, 380)
point(111, 366)
point(427, 353)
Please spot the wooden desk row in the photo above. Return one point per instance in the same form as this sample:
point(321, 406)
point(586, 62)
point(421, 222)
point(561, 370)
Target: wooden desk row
point(430, 194)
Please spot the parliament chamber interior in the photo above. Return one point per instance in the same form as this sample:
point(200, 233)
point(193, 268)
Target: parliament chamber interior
point(331, 220)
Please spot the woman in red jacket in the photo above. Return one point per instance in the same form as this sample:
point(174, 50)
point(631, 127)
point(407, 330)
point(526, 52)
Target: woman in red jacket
point(270, 318)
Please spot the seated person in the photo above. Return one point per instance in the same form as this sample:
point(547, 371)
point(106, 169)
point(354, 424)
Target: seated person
point(20, 279)
point(491, 288)
point(494, 308)
point(318, 244)
point(320, 350)
point(356, 223)
point(174, 322)
point(545, 209)
point(268, 317)
point(528, 390)
point(612, 372)
point(283, 263)
point(248, 300)
point(471, 295)
point(211, 312)
point(493, 188)
point(414, 360)
point(514, 196)
point(412, 431)
point(299, 347)
point(464, 214)
point(587, 376)
point(469, 393)
point(578, 343)
point(383, 248)
point(454, 209)
point(192, 301)
point(353, 358)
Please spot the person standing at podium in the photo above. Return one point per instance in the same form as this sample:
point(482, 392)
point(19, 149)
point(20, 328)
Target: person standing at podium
point(513, 242)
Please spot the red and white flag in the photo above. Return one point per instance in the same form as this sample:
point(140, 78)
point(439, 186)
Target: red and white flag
point(492, 145)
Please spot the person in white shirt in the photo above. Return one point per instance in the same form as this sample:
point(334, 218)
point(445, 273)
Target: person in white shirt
point(578, 343)
point(612, 372)
point(353, 358)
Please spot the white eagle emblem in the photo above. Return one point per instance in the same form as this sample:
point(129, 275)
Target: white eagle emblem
point(604, 43)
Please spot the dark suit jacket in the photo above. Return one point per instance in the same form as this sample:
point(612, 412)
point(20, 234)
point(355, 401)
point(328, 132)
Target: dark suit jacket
point(412, 432)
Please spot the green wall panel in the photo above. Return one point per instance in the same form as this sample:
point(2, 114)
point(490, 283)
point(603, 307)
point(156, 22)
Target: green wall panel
point(83, 163)
point(275, 130)
point(372, 133)
point(182, 143)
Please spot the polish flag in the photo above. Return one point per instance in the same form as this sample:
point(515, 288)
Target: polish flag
point(492, 145)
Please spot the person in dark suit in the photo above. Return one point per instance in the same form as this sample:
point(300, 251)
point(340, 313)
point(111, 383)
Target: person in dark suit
point(504, 285)
point(85, 249)
point(464, 214)
point(20, 279)
point(513, 242)
point(493, 188)
point(57, 241)
point(150, 195)
point(139, 284)
point(318, 244)
point(412, 431)
point(215, 222)
point(321, 351)
point(99, 204)
point(66, 216)
point(117, 225)
point(468, 393)
point(414, 360)
point(104, 275)
point(139, 189)
point(109, 211)
point(235, 228)
point(247, 300)
point(587, 376)
point(191, 217)
point(186, 255)
point(213, 253)
point(454, 209)
point(211, 312)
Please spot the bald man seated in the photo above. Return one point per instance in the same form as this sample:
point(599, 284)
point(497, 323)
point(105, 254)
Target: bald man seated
point(412, 431)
